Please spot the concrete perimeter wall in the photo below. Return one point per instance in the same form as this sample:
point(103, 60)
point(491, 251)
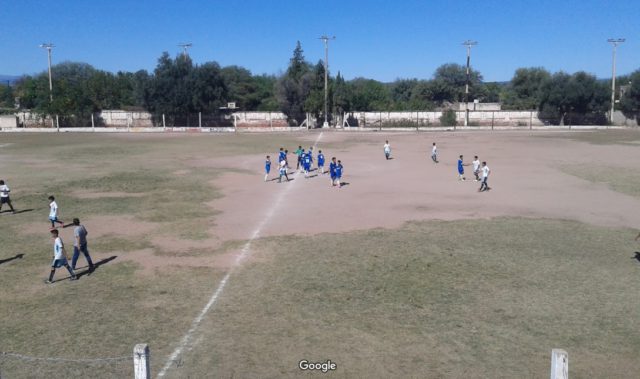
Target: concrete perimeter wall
point(277, 120)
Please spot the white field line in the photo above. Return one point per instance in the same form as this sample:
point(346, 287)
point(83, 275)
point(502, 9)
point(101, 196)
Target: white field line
point(246, 249)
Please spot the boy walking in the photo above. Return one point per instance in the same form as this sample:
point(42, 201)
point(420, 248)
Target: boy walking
point(267, 168)
point(476, 168)
point(434, 153)
point(339, 169)
point(485, 176)
point(460, 169)
point(306, 164)
point(4, 196)
point(53, 212)
point(80, 245)
point(59, 258)
point(332, 171)
point(283, 171)
point(299, 154)
point(387, 150)
point(320, 162)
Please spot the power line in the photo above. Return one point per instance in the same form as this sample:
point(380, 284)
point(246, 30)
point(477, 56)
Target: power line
point(185, 46)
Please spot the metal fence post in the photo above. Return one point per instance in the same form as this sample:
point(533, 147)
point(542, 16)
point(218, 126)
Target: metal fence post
point(200, 120)
point(93, 125)
point(559, 364)
point(164, 125)
point(141, 361)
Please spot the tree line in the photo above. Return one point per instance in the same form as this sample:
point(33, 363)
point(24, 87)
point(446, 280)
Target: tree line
point(178, 87)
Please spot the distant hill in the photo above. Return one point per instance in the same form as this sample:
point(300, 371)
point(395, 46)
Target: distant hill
point(10, 78)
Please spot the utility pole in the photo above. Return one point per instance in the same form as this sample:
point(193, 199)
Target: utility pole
point(468, 44)
point(185, 46)
point(326, 77)
point(50, 46)
point(614, 42)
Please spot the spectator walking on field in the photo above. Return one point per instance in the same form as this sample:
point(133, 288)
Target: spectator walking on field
point(485, 176)
point(476, 168)
point(4, 196)
point(60, 258)
point(53, 212)
point(80, 245)
point(434, 153)
point(387, 150)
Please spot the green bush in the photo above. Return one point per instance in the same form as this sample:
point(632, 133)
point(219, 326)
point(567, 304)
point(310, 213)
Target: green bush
point(448, 118)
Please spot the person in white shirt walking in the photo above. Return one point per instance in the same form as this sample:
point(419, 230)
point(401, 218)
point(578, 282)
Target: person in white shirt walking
point(485, 176)
point(53, 212)
point(387, 150)
point(4, 196)
point(59, 258)
point(476, 168)
point(434, 153)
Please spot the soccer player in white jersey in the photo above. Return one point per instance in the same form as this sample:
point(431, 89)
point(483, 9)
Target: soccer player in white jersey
point(4, 196)
point(476, 168)
point(485, 176)
point(59, 258)
point(434, 153)
point(53, 212)
point(387, 150)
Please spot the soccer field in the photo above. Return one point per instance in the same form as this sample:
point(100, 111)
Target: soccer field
point(403, 272)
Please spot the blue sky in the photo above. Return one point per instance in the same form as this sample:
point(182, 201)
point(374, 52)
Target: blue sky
point(382, 40)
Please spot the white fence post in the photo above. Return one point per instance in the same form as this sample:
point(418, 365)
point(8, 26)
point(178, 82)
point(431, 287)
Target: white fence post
point(141, 361)
point(93, 125)
point(559, 364)
point(200, 120)
point(164, 125)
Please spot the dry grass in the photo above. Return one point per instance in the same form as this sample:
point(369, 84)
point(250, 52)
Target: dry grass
point(465, 299)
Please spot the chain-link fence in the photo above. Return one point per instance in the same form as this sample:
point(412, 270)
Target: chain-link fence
point(13, 365)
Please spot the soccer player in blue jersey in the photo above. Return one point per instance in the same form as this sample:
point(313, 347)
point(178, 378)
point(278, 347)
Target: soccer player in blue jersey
point(332, 170)
point(310, 152)
point(460, 169)
point(281, 156)
point(267, 168)
point(320, 162)
point(306, 164)
point(339, 169)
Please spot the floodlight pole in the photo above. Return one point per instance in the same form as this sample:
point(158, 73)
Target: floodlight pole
point(614, 42)
point(185, 46)
point(468, 44)
point(50, 46)
point(326, 77)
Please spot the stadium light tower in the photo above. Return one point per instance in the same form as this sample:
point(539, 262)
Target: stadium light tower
point(468, 43)
point(185, 46)
point(614, 42)
point(50, 46)
point(326, 39)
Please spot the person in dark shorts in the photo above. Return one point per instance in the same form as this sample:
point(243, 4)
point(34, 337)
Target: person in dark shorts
point(4, 196)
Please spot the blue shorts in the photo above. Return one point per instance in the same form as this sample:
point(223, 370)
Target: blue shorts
point(460, 171)
point(57, 263)
point(267, 169)
point(52, 219)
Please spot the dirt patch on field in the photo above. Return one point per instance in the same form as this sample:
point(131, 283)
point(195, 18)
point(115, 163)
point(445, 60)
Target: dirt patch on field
point(150, 262)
